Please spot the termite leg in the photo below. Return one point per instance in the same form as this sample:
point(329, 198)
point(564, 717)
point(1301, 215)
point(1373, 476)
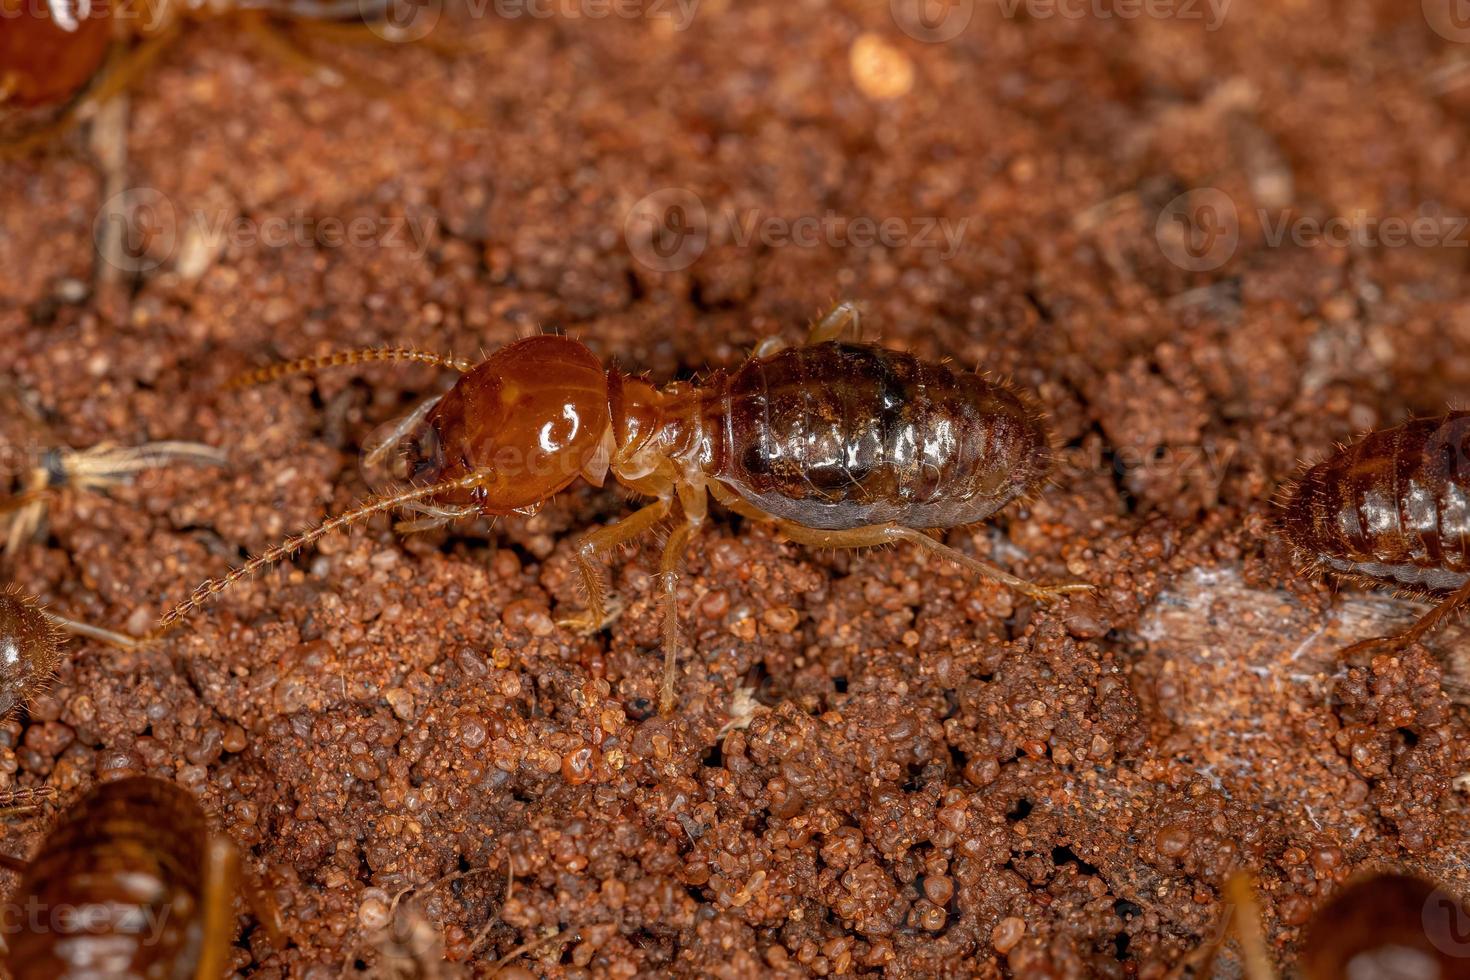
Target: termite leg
point(77, 627)
point(220, 886)
point(1245, 918)
point(1427, 624)
point(694, 502)
point(106, 465)
point(880, 534)
point(842, 319)
point(594, 550)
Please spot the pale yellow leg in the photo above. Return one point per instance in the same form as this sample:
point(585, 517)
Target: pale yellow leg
point(843, 319)
point(668, 578)
point(221, 884)
point(879, 534)
point(79, 628)
point(594, 550)
point(1418, 631)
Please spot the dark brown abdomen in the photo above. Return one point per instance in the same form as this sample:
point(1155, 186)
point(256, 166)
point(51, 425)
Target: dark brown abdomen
point(1394, 507)
point(842, 435)
point(116, 888)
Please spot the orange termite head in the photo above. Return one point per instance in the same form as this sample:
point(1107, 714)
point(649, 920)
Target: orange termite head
point(531, 418)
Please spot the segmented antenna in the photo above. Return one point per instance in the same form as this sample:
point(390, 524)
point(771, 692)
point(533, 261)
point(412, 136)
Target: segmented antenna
point(369, 355)
point(212, 587)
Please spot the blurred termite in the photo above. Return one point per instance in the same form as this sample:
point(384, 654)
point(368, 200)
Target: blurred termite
point(31, 639)
point(131, 883)
point(95, 468)
point(838, 444)
point(59, 59)
point(1384, 926)
point(1393, 508)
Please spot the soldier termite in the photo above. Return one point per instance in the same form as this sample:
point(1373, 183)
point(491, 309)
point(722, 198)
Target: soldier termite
point(839, 444)
point(131, 882)
point(1393, 508)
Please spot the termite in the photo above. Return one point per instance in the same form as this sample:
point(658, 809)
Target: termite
point(59, 57)
point(31, 639)
point(840, 444)
point(94, 468)
point(131, 883)
point(1381, 925)
point(1393, 508)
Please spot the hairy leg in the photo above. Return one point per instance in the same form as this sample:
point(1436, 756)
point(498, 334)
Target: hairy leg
point(1427, 624)
point(594, 551)
point(880, 534)
point(668, 568)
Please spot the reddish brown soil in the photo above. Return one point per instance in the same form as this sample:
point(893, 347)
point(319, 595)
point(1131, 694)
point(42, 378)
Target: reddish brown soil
point(926, 775)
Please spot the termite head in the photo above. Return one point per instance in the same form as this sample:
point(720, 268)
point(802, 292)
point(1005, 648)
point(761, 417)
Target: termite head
point(531, 418)
point(30, 649)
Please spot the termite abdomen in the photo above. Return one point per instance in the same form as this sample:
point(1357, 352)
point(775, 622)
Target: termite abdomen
point(1388, 925)
point(1392, 508)
point(130, 883)
point(841, 435)
point(30, 648)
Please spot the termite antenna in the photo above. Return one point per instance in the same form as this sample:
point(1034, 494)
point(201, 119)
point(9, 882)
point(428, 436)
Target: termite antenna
point(368, 355)
point(212, 587)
